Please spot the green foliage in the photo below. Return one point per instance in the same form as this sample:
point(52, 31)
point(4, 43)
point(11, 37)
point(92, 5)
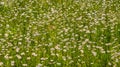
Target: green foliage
point(59, 33)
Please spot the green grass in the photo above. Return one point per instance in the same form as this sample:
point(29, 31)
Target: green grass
point(59, 33)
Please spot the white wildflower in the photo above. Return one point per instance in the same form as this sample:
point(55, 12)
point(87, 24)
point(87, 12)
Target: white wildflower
point(2, 3)
point(94, 53)
point(1, 63)
point(12, 63)
point(18, 56)
point(24, 65)
point(28, 58)
point(34, 54)
point(39, 65)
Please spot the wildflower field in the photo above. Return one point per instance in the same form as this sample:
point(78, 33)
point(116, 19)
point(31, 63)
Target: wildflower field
point(59, 33)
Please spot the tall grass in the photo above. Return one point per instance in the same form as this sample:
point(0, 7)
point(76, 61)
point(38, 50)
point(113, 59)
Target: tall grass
point(59, 33)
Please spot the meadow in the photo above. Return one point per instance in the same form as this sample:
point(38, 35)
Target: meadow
point(60, 33)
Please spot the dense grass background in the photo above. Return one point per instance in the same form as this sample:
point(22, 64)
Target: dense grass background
point(60, 33)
